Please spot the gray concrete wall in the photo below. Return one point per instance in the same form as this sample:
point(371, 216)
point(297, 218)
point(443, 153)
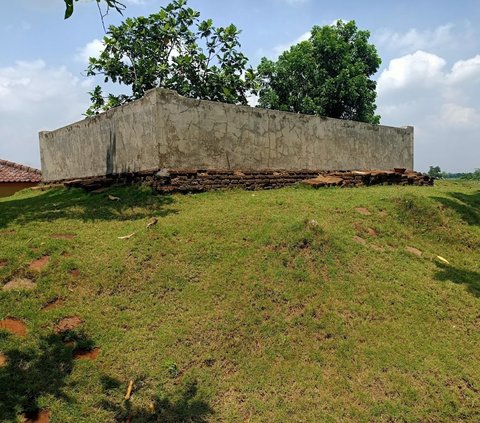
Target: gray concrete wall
point(165, 130)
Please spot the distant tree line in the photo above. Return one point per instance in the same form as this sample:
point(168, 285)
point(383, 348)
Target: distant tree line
point(436, 172)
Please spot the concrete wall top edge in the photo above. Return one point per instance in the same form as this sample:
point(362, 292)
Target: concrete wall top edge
point(166, 92)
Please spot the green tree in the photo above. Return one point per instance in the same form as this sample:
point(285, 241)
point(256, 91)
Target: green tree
point(472, 176)
point(327, 75)
point(111, 4)
point(172, 49)
point(435, 172)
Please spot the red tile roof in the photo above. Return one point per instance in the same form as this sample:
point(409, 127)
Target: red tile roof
point(13, 172)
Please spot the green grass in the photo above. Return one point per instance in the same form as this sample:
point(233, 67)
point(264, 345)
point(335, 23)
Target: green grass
point(246, 307)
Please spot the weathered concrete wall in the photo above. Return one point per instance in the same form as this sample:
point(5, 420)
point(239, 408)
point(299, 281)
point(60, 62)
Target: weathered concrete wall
point(165, 130)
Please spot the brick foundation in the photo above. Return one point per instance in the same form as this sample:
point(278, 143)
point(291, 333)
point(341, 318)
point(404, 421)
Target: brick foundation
point(201, 180)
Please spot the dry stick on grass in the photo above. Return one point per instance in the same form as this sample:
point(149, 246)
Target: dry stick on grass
point(126, 236)
point(129, 391)
point(152, 222)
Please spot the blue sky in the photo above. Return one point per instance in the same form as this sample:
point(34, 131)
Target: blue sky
point(429, 78)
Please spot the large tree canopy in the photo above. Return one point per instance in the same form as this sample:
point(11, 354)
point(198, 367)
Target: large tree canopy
point(328, 75)
point(172, 49)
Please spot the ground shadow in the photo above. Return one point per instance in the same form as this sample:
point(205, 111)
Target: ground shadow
point(31, 373)
point(470, 279)
point(135, 203)
point(466, 205)
point(186, 408)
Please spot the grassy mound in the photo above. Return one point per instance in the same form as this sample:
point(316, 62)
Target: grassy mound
point(286, 305)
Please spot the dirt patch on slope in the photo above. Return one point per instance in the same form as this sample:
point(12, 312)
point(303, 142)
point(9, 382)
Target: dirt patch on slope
point(90, 355)
point(38, 416)
point(359, 240)
point(39, 264)
point(75, 273)
point(414, 251)
point(3, 263)
point(55, 303)
point(3, 360)
point(363, 211)
point(63, 236)
point(68, 323)
point(14, 326)
point(19, 284)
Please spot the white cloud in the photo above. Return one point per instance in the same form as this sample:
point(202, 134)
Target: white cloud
point(460, 116)
point(414, 39)
point(34, 97)
point(466, 70)
point(419, 68)
point(442, 103)
point(91, 49)
point(280, 48)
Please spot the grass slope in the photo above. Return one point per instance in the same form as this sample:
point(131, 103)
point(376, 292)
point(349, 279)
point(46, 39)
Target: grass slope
point(241, 306)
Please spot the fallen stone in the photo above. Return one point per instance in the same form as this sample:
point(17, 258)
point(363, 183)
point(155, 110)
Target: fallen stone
point(14, 326)
point(414, 251)
point(19, 284)
point(323, 181)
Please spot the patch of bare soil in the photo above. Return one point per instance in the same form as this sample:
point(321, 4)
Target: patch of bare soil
point(14, 326)
point(63, 236)
point(372, 232)
point(66, 254)
point(55, 303)
point(3, 263)
point(38, 416)
point(39, 264)
point(75, 273)
point(68, 323)
point(3, 360)
point(378, 248)
point(359, 240)
point(414, 251)
point(383, 213)
point(363, 211)
point(86, 354)
point(8, 232)
point(19, 284)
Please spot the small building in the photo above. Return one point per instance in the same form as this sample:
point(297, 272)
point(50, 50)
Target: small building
point(14, 177)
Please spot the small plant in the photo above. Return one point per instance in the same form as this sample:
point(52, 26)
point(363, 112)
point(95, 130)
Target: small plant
point(172, 369)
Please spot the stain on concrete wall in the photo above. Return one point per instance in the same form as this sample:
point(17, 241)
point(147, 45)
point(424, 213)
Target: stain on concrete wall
point(165, 130)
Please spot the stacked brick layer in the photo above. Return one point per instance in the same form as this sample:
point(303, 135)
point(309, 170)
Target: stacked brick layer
point(200, 180)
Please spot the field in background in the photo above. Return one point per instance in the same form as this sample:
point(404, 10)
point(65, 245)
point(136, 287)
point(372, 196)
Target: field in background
point(289, 305)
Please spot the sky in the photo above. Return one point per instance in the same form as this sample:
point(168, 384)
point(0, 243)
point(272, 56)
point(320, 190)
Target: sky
point(429, 77)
